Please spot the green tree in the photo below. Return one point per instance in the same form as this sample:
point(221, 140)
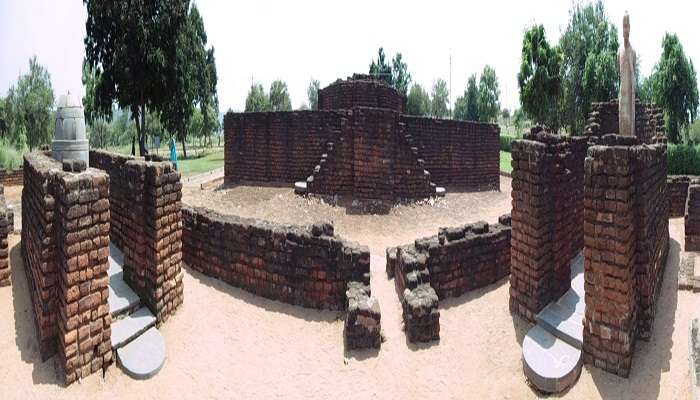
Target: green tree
point(279, 97)
point(675, 87)
point(312, 93)
point(460, 111)
point(440, 97)
point(401, 78)
point(380, 69)
point(472, 95)
point(257, 99)
point(418, 101)
point(645, 92)
point(488, 102)
point(3, 118)
point(133, 48)
point(539, 80)
point(519, 120)
point(589, 68)
point(28, 108)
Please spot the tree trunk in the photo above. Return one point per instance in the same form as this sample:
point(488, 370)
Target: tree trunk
point(184, 149)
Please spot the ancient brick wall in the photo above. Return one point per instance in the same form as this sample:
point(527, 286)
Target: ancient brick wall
point(145, 201)
point(547, 219)
point(455, 261)
point(626, 243)
point(65, 246)
point(692, 219)
point(306, 267)
point(343, 95)
point(460, 154)
point(11, 177)
point(6, 226)
point(604, 119)
point(677, 186)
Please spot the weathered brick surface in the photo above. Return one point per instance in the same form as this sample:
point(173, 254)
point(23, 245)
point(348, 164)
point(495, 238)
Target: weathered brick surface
point(145, 201)
point(11, 177)
point(603, 119)
point(6, 226)
point(342, 95)
point(678, 192)
point(458, 154)
point(363, 320)
point(626, 244)
point(547, 219)
point(450, 264)
point(306, 267)
point(692, 219)
point(65, 246)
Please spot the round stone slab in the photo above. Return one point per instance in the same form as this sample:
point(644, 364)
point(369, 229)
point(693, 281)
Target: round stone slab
point(440, 191)
point(550, 364)
point(144, 356)
point(300, 187)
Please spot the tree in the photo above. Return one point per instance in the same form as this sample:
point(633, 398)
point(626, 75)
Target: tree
point(312, 93)
point(28, 108)
point(3, 118)
point(539, 80)
point(380, 69)
point(401, 78)
point(519, 120)
point(645, 92)
point(133, 48)
point(505, 113)
point(440, 97)
point(418, 101)
point(257, 99)
point(488, 102)
point(460, 111)
point(472, 95)
point(675, 87)
point(279, 97)
point(589, 68)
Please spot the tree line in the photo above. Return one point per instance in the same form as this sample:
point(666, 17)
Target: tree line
point(559, 82)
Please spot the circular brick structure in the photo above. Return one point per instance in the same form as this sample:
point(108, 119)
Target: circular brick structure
point(360, 92)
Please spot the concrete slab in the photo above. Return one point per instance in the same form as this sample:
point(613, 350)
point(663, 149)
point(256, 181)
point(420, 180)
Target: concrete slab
point(550, 364)
point(128, 328)
point(573, 301)
point(144, 356)
point(562, 322)
point(121, 298)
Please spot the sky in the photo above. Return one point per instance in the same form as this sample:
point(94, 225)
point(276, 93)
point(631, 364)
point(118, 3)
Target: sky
point(264, 40)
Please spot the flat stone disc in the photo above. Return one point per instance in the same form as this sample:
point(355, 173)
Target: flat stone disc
point(440, 191)
point(144, 356)
point(550, 364)
point(300, 187)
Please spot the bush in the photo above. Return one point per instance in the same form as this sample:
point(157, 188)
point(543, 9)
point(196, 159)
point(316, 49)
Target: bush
point(506, 143)
point(10, 158)
point(683, 159)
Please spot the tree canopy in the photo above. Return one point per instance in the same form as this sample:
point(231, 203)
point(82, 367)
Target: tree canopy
point(279, 97)
point(488, 103)
point(312, 93)
point(418, 101)
point(440, 98)
point(539, 80)
point(395, 73)
point(257, 99)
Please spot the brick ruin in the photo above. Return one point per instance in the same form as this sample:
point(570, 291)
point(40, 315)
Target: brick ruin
point(65, 247)
point(692, 219)
point(7, 222)
point(547, 219)
point(450, 264)
point(146, 224)
point(621, 214)
point(360, 144)
point(678, 192)
point(307, 267)
point(11, 177)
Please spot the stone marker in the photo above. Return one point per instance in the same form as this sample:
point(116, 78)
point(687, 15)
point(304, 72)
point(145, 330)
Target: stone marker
point(70, 142)
point(626, 59)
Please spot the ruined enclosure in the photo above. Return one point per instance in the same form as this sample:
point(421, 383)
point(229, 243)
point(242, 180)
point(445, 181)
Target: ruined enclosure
point(359, 144)
point(7, 222)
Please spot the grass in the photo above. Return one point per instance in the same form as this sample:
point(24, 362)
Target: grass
point(199, 165)
point(505, 162)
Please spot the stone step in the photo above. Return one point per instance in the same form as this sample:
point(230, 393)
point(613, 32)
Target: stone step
point(550, 364)
point(562, 322)
point(143, 357)
point(128, 328)
point(122, 299)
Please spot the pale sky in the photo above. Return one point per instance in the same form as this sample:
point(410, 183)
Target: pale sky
point(296, 40)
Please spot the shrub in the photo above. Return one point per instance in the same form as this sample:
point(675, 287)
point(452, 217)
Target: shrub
point(10, 158)
point(683, 160)
point(506, 143)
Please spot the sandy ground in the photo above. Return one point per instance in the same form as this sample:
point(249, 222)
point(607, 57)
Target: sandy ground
point(226, 343)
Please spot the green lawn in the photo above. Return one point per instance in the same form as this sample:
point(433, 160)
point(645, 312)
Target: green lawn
point(505, 162)
point(194, 166)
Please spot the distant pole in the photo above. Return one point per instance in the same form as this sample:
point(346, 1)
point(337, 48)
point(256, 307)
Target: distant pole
point(450, 85)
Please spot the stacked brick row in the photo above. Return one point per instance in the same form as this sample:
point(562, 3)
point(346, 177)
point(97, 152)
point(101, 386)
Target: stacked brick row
point(411, 179)
point(626, 244)
point(334, 174)
point(145, 203)
point(306, 267)
point(603, 119)
point(84, 320)
point(11, 177)
point(343, 95)
point(38, 246)
point(65, 246)
point(6, 226)
point(546, 219)
point(651, 214)
point(677, 187)
point(692, 219)
point(363, 321)
point(457, 153)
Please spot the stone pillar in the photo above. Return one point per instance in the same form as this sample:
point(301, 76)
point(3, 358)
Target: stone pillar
point(70, 142)
point(610, 321)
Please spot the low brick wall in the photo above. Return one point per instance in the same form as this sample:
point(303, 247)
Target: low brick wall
point(145, 203)
point(692, 219)
point(547, 219)
point(603, 119)
point(678, 192)
point(346, 94)
point(450, 264)
point(65, 247)
point(11, 177)
point(626, 244)
point(6, 226)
